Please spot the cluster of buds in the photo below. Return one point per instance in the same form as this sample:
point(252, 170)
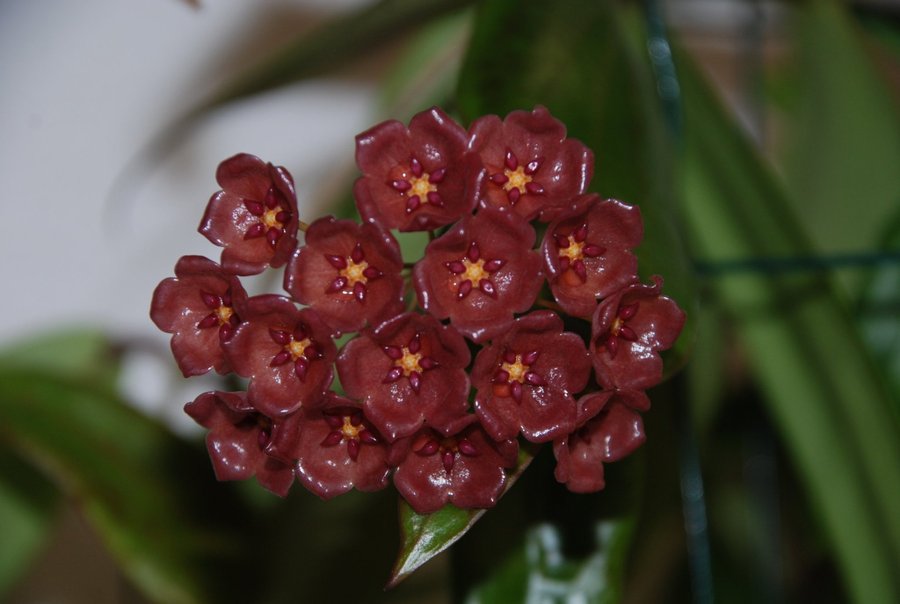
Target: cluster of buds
point(446, 362)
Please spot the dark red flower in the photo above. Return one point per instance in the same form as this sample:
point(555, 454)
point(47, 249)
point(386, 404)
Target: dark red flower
point(349, 273)
point(527, 377)
point(337, 449)
point(479, 273)
point(413, 179)
point(465, 468)
point(287, 354)
point(254, 216)
point(628, 329)
point(587, 252)
point(201, 308)
point(610, 428)
point(531, 167)
point(239, 439)
point(408, 371)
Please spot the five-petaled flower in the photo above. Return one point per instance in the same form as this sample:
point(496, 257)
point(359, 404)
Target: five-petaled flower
point(480, 273)
point(240, 440)
point(254, 217)
point(408, 371)
point(338, 449)
point(609, 428)
point(201, 307)
point(287, 354)
point(529, 166)
point(629, 328)
point(413, 178)
point(526, 379)
point(464, 467)
point(349, 273)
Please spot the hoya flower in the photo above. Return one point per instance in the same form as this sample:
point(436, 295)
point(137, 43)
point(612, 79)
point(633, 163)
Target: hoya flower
point(479, 273)
point(349, 273)
point(287, 354)
point(527, 377)
point(238, 440)
point(587, 252)
point(610, 428)
point(530, 167)
point(200, 307)
point(254, 216)
point(408, 371)
point(628, 329)
point(413, 178)
point(465, 468)
point(337, 449)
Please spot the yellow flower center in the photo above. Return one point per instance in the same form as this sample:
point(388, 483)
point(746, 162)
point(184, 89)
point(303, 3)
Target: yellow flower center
point(515, 370)
point(224, 314)
point(349, 430)
point(355, 272)
point(517, 179)
point(409, 362)
point(474, 270)
point(575, 250)
point(421, 186)
point(298, 348)
point(270, 218)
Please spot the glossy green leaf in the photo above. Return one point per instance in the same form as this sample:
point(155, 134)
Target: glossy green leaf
point(27, 509)
point(822, 388)
point(842, 134)
point(424, 536)
point(539, 571)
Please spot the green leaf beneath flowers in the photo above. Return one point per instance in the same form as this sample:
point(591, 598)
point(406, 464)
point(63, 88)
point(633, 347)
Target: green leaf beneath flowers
point(424, 536)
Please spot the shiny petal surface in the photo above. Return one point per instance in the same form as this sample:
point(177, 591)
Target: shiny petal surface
point(545, 411)
point(633, 363)
point(229, 221)
point(564, 166)
point(500, 237)
point(399, 163)
point(472, 481)
point(612, 230)
point(366, 368)
point(327, 468)
point(277, 390)
point(314, 268)
point(178, 307)
point(236, 440)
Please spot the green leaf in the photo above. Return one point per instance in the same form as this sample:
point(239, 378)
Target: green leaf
point(134, 481)
point(540, 572)
point(879, 309)
point(80, 353)
point(27, 509)
point(842, 135)
point(822, 388)
point(424, 536)
point(352, 36)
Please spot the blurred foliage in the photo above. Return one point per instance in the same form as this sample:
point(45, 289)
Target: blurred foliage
point(772, 461)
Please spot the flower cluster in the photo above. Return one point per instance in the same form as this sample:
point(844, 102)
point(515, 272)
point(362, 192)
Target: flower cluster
point(447, 361)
